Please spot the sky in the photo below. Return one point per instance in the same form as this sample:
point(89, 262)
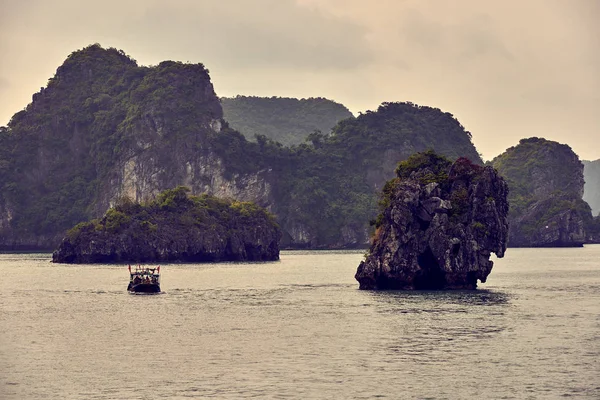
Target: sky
point(506, 70)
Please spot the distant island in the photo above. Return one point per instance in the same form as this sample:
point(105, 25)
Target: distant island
point(285, 120)
point(546, 184)
point(176, 227)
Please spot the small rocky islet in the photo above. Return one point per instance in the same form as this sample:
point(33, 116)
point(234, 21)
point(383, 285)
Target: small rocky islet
point(439, 223)
point(175, 227)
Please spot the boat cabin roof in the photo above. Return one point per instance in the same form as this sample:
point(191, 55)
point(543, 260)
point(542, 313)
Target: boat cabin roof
point(145, 271)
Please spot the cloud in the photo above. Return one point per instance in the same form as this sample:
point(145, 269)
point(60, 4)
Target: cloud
point(258, 34)
point(237, 33)
point(459, 41)
point(506, 69)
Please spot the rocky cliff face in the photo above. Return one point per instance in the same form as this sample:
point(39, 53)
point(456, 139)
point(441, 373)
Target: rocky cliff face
point(564, 227)
point(546, 188)
point(440, 224)
point(163, 148)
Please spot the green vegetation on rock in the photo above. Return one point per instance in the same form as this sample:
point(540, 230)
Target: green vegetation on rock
point(429, 166)
point(51, 184)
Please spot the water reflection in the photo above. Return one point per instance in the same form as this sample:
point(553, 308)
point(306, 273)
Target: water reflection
point(427, 327)
point(13, 256)
point(480, 297)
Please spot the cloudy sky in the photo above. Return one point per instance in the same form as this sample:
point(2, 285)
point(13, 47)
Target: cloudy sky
point(506, 69)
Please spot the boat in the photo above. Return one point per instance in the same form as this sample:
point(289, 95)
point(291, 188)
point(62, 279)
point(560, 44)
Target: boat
point(144, 280)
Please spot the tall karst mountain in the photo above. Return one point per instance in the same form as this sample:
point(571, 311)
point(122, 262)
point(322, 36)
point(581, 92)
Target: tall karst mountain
point(282, 119)
point(105, 128)
point(545, 181)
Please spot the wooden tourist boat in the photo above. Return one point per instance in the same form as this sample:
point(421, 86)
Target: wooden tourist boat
point(144, 280)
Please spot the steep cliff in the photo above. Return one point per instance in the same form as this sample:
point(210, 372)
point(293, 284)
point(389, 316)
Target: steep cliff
point(174, 227)
point(440, 222)
point(546, 188)
point(591, 192)
point(283, 119)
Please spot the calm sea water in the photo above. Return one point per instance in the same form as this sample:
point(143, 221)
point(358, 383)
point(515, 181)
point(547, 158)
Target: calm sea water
point(299, 329)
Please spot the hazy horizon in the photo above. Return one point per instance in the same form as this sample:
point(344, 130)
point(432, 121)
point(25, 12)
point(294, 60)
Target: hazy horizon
point(505, 70)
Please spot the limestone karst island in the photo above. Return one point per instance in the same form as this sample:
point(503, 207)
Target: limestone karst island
point(105, 128)
point(174, 227)
point(439, 223)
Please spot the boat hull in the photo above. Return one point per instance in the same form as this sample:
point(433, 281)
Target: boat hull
point(144, 288)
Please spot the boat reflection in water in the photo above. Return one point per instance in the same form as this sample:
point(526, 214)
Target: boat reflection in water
point(144, 280)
